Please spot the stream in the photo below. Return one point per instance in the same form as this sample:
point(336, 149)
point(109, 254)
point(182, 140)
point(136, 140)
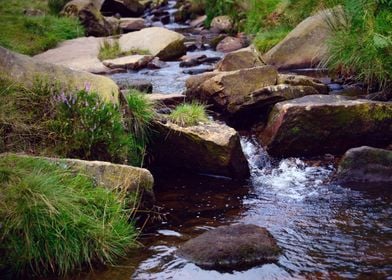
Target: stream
point(325, 231)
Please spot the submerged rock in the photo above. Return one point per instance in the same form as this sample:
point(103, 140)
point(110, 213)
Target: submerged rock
point(240, 59)
point(305, 46)
point(23, 69)
point(231, 247)
point(132, 180)
point(365, 165)
point(205, 148)
point(318, 124)
point(161, 42)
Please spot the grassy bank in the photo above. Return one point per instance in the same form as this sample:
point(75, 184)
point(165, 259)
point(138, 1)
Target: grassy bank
point(34, 34)
point(51, 121)
point(54, 221)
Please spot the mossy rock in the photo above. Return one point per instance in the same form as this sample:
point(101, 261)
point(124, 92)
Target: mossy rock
point(318, 124)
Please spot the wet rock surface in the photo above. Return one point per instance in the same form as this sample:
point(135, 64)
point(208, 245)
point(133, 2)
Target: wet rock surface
point(297, 127)
point(205, 148)
point(231, 247)
point(365, 165)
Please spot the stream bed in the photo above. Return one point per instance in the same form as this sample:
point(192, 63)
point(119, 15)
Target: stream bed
point(325, 231)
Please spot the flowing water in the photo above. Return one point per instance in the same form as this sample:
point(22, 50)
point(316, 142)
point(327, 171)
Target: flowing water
point(325, 231)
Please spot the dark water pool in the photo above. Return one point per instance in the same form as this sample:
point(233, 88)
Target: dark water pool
point(326, 231)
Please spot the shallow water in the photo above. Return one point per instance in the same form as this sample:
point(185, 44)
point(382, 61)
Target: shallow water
point(325, 231)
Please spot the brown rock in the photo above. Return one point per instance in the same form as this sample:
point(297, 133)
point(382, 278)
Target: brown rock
point(231, 247)
point(240, 59)
point(133, 62)
point(230, 44)
point(319, 124)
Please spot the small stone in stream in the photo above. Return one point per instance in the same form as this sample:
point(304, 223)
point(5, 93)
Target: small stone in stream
point(197, 71)
point(141, 85)
point(165, 19)
point(230, 44)
point(156, 63)
point(231, 247)
point(334, 87)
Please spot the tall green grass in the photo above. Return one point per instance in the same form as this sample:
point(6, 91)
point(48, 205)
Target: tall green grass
point(54, 221)
point(189, 114)
point(362, 47)
point(111, 49)
point(34, 34)
point(53, 121)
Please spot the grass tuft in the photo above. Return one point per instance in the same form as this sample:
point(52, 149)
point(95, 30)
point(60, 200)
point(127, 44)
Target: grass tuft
point(54, 221)
point(111, 49)
point(189, 114)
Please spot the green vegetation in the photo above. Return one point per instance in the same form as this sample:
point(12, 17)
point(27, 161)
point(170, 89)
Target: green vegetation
point(55, 6)
point(55, 221)
point(139, 114)
point(52, 121)
point(111, 49)
point(189, 114)
point(266, 40)
point(362, 46)
point(34, 34)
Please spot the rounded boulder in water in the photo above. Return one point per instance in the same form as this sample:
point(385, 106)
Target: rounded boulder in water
point(231, 247)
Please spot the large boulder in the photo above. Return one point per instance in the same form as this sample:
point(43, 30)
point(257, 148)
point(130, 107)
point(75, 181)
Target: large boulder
point(25, 70)
point(305, 46)
point(206, 148)
point(134, 181)
point(228, 90)
point(77, 54)
point(161, 42)
point(365, 165)
point(125, 8)
point(318, 124)
point(231, 247)
point(88, 12)
point(240, 59)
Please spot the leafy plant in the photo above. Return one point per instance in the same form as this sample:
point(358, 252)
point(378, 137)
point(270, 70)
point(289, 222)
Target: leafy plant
point(90, 128)
point(189, 114)
point(55, 221)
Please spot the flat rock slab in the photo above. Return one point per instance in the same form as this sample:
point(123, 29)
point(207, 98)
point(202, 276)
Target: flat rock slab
point(161, 42)
point(78, 54)
point(231, 247)
point(133, 62)
point(210, 148)
point(365, 165)
point(24, 69)
point(319, 124)
point(132, 24)
point(166, 100)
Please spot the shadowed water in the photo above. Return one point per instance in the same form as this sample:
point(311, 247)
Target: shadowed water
point(325, 231)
